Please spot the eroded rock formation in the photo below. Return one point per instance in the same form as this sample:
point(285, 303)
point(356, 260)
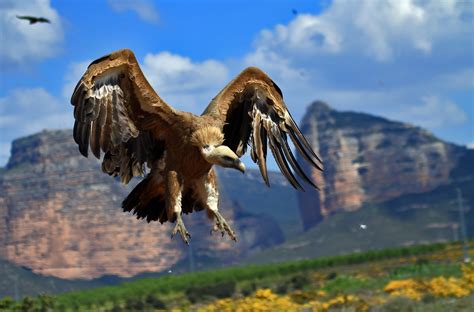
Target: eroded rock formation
point(369, 159)
point(61, 216)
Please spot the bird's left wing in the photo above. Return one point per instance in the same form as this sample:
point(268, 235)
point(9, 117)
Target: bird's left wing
point(117, 111)
point(251, 110)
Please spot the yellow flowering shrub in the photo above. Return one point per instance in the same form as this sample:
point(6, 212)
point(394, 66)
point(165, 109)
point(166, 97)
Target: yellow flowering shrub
point(317, 300)
point(318, 277)
point(301, 297)
point(439, 286)
point(468, 276)
point(447, 287)
point(453, 287)
point(405, 288)
point(262, 300)
point(345, 300)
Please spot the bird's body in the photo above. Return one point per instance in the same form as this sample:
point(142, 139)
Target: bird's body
point(118, 112)
point(34, 19)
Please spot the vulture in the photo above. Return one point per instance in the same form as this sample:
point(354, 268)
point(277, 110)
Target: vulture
point(34, 20)
point(118, 115)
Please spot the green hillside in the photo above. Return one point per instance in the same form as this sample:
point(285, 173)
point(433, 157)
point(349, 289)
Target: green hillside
point(18, 282)
point(408, 220)
point(361, 274)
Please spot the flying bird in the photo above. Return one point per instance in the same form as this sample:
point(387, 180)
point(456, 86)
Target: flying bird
point(33, 19)
point(118, 113)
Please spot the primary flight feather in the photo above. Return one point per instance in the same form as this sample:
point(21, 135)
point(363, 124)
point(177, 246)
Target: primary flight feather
point(118, 114)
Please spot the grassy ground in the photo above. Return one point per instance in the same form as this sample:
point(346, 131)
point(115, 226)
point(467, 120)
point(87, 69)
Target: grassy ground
point(344, 283)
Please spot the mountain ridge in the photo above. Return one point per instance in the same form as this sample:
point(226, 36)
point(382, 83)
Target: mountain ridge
point(370, 159)
point(55, 220)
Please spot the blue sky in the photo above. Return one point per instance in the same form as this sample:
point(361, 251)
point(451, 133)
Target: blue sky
point(405, 60)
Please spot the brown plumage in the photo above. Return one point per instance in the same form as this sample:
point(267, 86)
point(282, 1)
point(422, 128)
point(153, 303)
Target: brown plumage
point(119, 115)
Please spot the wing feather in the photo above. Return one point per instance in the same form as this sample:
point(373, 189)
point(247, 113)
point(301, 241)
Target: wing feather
point(251, 110)
point(282, 163)
point(110, 102)
point(294, 164)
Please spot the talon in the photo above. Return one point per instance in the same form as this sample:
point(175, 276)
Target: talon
point(223, 226)
point(179, 227)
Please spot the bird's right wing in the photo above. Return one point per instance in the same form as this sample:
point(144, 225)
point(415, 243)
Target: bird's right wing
point(251, 111)
point(117, 111)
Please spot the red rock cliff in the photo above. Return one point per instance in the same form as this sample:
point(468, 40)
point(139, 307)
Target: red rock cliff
point(60, 215)
point(369, 159)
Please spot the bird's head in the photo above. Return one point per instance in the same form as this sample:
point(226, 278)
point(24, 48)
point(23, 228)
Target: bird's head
point(209, 140)
point(223, 156)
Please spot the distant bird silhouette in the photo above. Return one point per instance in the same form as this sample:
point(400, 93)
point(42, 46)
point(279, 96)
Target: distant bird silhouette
point(34, 19)
point(294, 11)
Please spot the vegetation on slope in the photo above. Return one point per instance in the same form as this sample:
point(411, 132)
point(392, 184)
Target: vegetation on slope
point(408, 220)
point(357, 279)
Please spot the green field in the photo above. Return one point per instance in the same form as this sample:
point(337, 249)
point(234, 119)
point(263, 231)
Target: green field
point(361, 274)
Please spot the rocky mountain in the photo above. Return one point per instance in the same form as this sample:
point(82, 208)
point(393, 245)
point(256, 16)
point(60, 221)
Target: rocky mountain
point(369, 159)
point(411, 219)
point(61, 216)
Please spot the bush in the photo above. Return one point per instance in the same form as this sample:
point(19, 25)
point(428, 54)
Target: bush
point(155, 302)
point(300, 281)
point(116, 308)
point(27, 304)
point(218, 290)
point(134, 305)
point(6, 303)
point(46, 303)
point(281, 288)
point(331, 276)
point(249, 289)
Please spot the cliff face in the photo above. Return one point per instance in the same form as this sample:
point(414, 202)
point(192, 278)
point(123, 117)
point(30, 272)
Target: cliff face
point(369, 159)
point(61, 216)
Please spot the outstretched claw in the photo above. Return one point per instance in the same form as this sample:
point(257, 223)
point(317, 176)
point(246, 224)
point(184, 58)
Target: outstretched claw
point(222, 226)
point(179, 227)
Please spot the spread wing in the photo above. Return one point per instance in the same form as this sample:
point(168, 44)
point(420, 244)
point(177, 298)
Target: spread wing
point(117, 111)
point(251, 111)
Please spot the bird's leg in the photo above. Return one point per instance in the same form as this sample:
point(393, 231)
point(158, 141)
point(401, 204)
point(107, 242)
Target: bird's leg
point(179, 227)
point(209, 196)
point(222, 225)
point(173, 203)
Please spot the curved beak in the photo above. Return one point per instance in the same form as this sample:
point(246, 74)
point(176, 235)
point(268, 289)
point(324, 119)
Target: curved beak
point(239, 166)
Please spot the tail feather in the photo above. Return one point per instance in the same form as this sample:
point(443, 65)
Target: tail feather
point(147, 200)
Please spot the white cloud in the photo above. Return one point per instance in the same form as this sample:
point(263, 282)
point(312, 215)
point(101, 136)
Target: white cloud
point(433, 113)
point(178, 80)
point(26, 111)
point(183, 83)
point(470, 145)
point(23, 43)
point(143, 8)
point(381, 57)
point(379, 29)
point(73, 74)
